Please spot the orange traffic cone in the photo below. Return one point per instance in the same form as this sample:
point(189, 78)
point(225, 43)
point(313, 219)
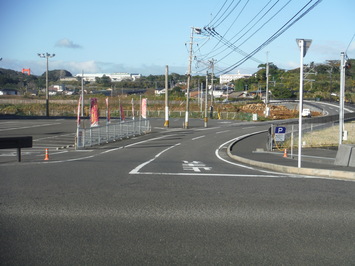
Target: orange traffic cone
point(285, 153)
point(46, 157)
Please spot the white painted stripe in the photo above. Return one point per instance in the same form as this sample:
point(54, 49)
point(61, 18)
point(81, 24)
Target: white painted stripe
point(203, 174)
point(136, 170)
point(220, 132)
point(198, 137)
point(148, 140)
point(42, 125)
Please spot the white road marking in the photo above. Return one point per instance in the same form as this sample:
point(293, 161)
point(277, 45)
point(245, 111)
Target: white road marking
point(241, 165)
point(198, 137)
point(195, 166)
point(204, 174)
point(136, 170)
point(220, 132)
point(16, 128)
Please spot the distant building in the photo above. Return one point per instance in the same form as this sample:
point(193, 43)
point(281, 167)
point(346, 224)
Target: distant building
point(115, 77)
point(8, 92)
point(224, 79)
point(159, 91)
point(57, 88)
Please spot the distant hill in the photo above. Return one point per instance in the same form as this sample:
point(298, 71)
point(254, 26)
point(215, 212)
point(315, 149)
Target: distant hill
point(16, 80)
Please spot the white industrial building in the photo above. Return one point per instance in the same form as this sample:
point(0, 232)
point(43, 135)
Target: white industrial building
point(224, 79)
point(115, 77)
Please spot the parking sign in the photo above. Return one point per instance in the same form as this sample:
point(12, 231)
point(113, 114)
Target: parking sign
point(280, 130)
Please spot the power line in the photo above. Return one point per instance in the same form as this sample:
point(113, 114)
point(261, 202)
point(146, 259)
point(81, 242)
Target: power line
point(349, 44)
point(228, 14)
point(259, 27)
point(225, 2)
point(281, 30)
point(225, 11)
point(229, 42)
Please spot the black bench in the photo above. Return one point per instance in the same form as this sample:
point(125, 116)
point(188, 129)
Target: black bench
point(16, 143)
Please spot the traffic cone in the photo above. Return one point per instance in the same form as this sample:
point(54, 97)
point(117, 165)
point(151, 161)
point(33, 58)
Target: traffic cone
point(285, 153)
point(46, 157)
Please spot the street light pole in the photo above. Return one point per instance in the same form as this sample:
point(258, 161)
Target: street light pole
point(166, 124)
point(304, 45)
point(341, 97)
point(46, 55)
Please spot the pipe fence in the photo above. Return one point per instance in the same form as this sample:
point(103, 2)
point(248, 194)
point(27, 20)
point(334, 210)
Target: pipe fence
point(88, 137)
point(316, 132)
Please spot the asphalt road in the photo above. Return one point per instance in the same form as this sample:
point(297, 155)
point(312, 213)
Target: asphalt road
point(171, 197)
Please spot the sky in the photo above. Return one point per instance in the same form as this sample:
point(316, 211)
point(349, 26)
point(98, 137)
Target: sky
point(143, 36)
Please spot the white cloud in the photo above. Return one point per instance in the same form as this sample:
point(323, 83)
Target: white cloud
point(66, 43)
point(38, 67)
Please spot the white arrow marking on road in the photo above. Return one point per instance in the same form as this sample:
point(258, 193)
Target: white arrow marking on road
point(195, 166)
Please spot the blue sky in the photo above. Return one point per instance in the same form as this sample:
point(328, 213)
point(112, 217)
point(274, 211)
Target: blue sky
point(143, 36)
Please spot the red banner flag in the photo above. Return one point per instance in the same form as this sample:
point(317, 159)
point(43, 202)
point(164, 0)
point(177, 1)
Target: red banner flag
point(144, 108)
point(122, 113)
point(94, 112)
point(108, 115)
point(78, 114)
point(132, 109)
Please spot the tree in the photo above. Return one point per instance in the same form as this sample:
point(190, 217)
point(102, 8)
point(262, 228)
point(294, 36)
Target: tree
point(282, 93)
point(104, 81)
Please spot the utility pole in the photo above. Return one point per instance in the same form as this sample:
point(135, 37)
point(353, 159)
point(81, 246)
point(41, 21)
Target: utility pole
point(212, 81)
point(212, 86)
point(46, 55)
point(82, 93)
point(206, 101)
point(166, 124)
point(186, 124)
point(198, 31)
point(267, 86)
point(341, 97)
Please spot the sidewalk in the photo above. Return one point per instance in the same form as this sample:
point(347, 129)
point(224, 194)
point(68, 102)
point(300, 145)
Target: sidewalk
point(315, 161)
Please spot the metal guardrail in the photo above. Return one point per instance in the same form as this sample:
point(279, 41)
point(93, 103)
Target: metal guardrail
point(110, 132)
point(315, 125)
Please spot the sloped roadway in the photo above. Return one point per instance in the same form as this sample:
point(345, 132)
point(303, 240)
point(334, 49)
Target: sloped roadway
point(171, 197)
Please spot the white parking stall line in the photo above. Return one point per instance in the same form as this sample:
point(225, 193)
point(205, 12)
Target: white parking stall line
point(40, 125)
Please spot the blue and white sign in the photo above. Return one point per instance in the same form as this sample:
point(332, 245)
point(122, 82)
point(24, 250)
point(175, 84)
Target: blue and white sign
point(280, 133)
point(280, 130)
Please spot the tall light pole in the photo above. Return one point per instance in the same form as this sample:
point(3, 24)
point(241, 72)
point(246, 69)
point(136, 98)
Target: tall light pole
point(166, 124)
point(303, 45)
point(342, 97)
point(46, 55)
point(82, 93)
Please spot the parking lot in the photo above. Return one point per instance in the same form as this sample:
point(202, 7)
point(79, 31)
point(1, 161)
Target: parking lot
point(56, 135)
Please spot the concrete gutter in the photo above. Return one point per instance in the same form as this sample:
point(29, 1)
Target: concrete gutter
point(336, 174)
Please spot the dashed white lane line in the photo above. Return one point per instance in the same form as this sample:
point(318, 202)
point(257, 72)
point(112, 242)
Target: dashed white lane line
point(200, 137)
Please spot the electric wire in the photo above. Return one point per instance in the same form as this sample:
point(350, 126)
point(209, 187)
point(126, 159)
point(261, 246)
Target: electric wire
point(225, 11)
point(241, 11)
point(281, 30)
point(257, 29)
point(225, 2)
point(229, 42)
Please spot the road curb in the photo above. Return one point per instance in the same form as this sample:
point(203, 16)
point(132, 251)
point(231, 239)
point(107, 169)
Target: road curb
point(336, 174)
